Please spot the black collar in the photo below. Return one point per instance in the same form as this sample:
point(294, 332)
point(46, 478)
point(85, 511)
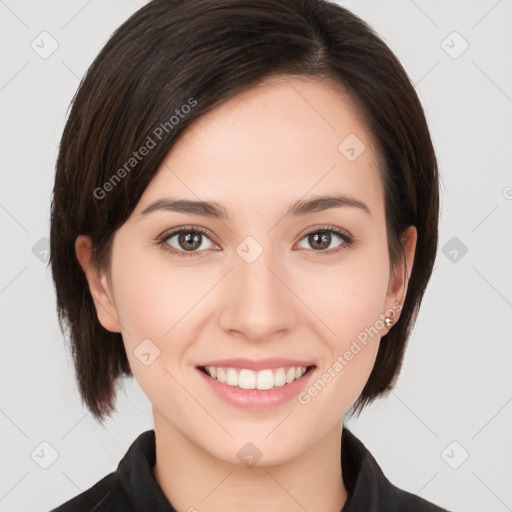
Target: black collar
point(367, 487)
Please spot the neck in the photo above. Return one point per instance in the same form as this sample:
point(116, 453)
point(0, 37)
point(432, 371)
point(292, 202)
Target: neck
point(194, 480)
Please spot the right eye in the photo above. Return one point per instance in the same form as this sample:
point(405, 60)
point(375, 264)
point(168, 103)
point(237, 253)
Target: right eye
point(185, 242)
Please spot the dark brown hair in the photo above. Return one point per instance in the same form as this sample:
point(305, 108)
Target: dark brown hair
point(199, 53)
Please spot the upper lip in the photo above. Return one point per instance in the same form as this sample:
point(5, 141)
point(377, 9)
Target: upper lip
point(262, 364)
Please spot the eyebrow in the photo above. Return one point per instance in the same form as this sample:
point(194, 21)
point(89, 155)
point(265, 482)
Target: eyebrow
point(215, 210)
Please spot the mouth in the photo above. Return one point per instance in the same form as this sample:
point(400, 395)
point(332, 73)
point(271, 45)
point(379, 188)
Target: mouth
point(261, 380)
point(256, 385)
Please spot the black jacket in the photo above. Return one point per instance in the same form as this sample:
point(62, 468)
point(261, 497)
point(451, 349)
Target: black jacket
point(133, 487)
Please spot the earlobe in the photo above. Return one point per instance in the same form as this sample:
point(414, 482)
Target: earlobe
point(98, 285)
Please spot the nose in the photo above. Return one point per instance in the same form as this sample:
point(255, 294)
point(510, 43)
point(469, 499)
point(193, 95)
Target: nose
point(258, 300)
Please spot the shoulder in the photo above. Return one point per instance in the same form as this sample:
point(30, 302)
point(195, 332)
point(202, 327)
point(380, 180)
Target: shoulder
point(403, 501)
point(107, 495)
point(131, 487)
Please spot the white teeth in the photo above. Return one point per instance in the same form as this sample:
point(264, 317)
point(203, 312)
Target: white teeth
point(249, 379)
point(280, 377)
point(246, 379)
point(232, 377)
point(221, 375)
point(265, 380)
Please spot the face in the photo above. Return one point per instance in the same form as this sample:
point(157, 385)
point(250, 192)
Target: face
point(270, 286)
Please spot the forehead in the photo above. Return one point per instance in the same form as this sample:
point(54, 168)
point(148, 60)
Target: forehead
point(279, 141)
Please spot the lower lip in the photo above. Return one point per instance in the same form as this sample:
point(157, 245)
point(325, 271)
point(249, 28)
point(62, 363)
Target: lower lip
point(257, 399)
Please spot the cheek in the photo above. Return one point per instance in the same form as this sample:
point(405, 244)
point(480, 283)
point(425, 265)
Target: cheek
point(349, 300)
point(350, 332)
point(144, 313)
point(152, 303)
point(150, 296)
point(160, 302)
point(347, 297)
point(141, 306)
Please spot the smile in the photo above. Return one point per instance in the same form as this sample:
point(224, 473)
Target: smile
point(256, 384)
point(262, 380)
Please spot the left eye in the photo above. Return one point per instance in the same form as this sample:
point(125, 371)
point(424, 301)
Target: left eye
point(322, 239)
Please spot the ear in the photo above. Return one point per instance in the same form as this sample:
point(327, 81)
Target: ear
point(399, 279)
point(98, 285)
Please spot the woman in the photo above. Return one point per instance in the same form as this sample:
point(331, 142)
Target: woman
point(244, 219)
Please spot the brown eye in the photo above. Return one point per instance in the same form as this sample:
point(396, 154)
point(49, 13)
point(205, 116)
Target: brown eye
point(185, 241)
point(322, 239)
point(189, 241)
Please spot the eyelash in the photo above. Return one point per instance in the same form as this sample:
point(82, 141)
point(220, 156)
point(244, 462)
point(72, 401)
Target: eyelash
point(163, 239)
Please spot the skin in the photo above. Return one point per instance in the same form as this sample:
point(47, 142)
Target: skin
point(256, 154)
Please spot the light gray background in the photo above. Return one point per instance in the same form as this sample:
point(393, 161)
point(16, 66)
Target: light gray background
point(455, 384)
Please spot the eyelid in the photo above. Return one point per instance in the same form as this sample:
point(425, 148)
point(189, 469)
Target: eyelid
point(169, 233)
point(326, 227)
